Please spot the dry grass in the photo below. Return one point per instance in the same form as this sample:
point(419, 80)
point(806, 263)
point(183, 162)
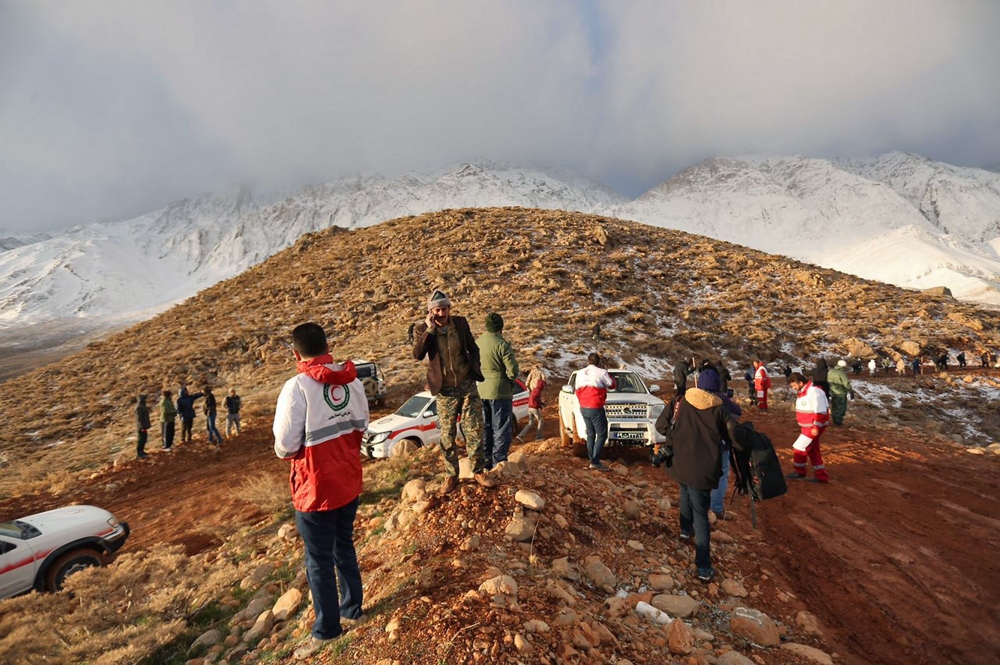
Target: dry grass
point(266, 491)
point(114, 615)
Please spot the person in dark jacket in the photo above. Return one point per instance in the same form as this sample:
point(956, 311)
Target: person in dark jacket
point(452, 372)
point(142, 425)
point(185, 409)
point(681, 371)
point(233, 406)
point(694, 424)
point(168, 414)
point(820, 378)
point(709, 381)
point(211, 411)
point(961, 359)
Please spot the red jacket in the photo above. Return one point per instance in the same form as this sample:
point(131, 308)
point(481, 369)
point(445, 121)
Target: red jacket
point(812, 409)
point(592, 385)
point(535, 396)
point(761, 379)
point(321, 415)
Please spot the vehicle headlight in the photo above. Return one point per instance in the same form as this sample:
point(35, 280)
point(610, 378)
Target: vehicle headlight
point(378, 438)
point(113, 521)
point(655, 410)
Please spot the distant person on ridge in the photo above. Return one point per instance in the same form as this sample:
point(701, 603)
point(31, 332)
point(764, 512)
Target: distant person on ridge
point(168, 414)
point(961, 359)
point(320, 417)
point(409, 334)
point(500, 370)
point(886, 364)
point(535, 383)
point(596, 332)
point(812, 412)
point(916, 365)
point(751, 389)
point(211, 412)
point(762, 384)
point(840, 388)
point(142, 425)
point(452, 372)
point(233, 406)
point(901, 366)
point(592, 383)
point(787, 371)
point(185, 409)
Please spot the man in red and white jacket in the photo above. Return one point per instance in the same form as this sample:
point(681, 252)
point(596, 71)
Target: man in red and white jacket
point(592, 383)
point(321, 415)
point(812, 412)
point(762, 383)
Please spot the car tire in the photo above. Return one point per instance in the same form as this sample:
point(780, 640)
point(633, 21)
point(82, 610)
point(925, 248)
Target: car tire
point(71, 562)
point(565, 438)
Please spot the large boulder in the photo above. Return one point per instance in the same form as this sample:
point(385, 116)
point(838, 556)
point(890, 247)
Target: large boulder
point(857, 348)
point(754, 626)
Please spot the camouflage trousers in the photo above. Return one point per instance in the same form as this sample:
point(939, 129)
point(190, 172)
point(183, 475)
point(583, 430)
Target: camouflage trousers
point(838, 408)
point(452, 402)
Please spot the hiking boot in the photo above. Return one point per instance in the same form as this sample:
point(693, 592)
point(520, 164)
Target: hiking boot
point(348, 623)
point(706, 574)
point(794, 476)
point(599, 466)
point(310, 648)
point(485, 480)
point(450, 483)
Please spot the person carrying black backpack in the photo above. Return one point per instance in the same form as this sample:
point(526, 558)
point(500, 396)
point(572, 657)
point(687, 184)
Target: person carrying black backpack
point(695, 423)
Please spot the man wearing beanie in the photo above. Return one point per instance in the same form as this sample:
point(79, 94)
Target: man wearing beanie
point(840, 388)
point(452, 371)
point(497, 390)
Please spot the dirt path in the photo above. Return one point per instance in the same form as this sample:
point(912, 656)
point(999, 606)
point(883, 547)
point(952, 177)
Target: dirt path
point(897, 557)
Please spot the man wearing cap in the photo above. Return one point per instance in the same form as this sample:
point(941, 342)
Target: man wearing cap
point(499, 369)
point(452, 371)
point(840, 388)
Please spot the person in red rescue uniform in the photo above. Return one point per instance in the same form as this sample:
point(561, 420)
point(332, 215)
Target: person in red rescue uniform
point(592, 384)
point(321, 415)
point(812, 412)
point(762, 382)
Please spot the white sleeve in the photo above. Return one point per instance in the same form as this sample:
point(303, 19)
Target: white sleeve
point(289, 421)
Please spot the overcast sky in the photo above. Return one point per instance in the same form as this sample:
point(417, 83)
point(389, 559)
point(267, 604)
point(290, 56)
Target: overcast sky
point(110, 109)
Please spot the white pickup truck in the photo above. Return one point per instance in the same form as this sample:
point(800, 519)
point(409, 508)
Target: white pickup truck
point(41, 551)
point(631, 407)
point(417, 420)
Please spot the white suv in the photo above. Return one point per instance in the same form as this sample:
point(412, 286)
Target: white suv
point(631, 407)
point(41, 551)
point(417, 420)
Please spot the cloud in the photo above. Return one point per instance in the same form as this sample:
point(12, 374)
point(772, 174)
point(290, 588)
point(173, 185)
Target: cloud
point(113, 108)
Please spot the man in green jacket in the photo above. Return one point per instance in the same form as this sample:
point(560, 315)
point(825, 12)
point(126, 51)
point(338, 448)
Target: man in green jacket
point(497, 390)
point(840, 388)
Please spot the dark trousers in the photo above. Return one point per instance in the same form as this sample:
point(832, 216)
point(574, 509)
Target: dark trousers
point(214, 436)
point(596, 422)
point(187, 424)
point(329, 542)
point(498, 417)
point(694, 518)
point(167, 433)
point(140, 446)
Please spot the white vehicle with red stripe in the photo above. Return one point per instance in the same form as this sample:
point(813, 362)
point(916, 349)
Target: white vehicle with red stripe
point(40, 551)
point(417, 420)
point(631, 408)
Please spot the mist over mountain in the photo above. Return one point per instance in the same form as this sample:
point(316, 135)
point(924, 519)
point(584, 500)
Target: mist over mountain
point(897, 218)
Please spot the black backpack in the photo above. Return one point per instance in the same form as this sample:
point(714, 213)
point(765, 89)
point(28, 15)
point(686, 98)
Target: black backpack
point(757, 468)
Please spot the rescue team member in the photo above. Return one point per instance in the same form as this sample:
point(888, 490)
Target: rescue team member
point(812, 412)
point(762, 382)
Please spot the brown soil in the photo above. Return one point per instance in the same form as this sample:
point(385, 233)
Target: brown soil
point(894, 556)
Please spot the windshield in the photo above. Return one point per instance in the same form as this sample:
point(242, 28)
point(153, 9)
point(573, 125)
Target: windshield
point(627, 382)
point(365, 371)
point(413, 407)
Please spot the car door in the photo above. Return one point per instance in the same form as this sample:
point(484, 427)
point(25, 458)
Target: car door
point(430, 426)
point(568, 403)
point(17, 566)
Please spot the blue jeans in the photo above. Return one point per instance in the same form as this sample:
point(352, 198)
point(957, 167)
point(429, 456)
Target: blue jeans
point(596, 422)
point(694, 518)
point(213, 432)
point(498, 421)
point(719, 493)
point(329, 542)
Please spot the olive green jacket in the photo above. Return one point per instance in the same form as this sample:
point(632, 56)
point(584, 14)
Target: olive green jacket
point(499, 367)
point(839, 383)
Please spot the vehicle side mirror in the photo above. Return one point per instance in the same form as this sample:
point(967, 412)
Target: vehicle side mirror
point(427, 414)
point(655, 388)
point(567, 389)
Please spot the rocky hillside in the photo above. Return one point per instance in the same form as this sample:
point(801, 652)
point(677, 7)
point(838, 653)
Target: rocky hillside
point(658, 294)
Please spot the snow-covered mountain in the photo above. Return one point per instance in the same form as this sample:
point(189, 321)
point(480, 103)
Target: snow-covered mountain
point(897, 218)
